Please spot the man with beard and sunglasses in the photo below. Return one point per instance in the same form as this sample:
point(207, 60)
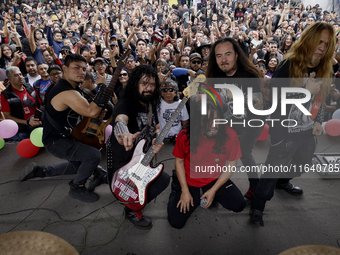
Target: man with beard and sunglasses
point(131, 116)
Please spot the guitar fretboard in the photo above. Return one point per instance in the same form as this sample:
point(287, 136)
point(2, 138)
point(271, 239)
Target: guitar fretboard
point(149, 155)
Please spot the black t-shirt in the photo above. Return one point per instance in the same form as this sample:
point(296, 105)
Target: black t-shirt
point(66, 119)
point(138, 121)
point(304, 125)
point(242, 79)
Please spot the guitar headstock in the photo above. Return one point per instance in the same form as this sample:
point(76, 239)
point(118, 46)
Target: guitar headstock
point(123, 59)
point(192, 88)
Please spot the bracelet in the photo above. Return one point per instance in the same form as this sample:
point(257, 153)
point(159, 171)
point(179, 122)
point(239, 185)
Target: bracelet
point(120, 129)
point(28, 122)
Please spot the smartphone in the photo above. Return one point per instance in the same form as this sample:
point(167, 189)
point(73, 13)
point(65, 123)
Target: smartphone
point(38, 114)
point(18, 48)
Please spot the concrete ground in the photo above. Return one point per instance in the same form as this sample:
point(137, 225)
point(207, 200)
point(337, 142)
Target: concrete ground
point(99, 228)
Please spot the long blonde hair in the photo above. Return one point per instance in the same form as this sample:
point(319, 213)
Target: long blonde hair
point(301, 52)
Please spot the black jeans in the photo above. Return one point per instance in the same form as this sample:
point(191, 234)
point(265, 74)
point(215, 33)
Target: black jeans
point(82, 159)
point(291, 153)
point(229, 196)
point(247, 138)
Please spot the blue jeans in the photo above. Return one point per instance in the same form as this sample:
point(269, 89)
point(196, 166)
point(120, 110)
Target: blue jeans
point(289, 153)
point(82, 159)
point(20, 136)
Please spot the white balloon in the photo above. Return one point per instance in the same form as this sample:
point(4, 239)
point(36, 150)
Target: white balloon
point(336, 114)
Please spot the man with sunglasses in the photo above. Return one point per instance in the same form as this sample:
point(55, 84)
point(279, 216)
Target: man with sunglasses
point(65, 50)
point(195, 64)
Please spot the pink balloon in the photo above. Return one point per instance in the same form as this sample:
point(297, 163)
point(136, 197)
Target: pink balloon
point(264, 135)
point(8, 128)
point(332, 127)
point(108, 131)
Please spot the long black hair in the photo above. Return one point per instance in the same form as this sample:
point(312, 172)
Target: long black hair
point(198, 123)
point(242, 60)
point(131, 90)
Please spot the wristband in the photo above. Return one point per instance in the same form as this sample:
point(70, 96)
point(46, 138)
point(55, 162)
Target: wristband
point(120, 129)
point(28, 122)
point(100, 96)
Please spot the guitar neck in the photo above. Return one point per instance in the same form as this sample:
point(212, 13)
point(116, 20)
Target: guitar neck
point(121, 63)
point(112, 85)
point(149, 155)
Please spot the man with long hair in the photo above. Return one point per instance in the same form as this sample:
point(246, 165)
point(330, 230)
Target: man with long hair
point(228, 61)
point(293, 146)
point(203, 145)
point(132, 116)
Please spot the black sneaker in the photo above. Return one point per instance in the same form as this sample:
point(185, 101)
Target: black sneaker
point(256, 217)
point(99, 178)
point(28, 172)
point(80, 192)
point(137, 218)
point(248, 197)
point(290, 188)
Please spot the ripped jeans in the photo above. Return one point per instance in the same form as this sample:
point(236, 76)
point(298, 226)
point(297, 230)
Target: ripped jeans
point(283, 153)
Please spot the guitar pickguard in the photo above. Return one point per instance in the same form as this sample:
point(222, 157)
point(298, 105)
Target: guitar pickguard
point(131, 181)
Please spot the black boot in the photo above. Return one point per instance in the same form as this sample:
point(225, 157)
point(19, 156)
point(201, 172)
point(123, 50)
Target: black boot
point(30, 171)
point(99, 178)
point(137, 218)
point(289, 188)
point(80, 192)
point(256, 217)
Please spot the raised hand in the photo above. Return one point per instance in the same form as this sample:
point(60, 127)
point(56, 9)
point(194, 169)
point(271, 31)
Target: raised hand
point(162, 77)
point(50, 50)
point(101, 79)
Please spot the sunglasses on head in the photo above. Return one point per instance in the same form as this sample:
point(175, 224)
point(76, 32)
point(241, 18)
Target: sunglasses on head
point(196, 62)
point(166, 90)
point(123, 74)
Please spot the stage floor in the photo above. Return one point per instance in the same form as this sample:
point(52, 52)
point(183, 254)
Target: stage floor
point(313, 218)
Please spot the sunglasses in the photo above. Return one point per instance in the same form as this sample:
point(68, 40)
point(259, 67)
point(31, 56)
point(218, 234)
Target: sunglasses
point(196, 62)
point(166, 90)
point(123, 74)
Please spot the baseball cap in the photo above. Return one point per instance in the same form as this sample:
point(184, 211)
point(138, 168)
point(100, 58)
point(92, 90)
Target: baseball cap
point(195, 55)
point(99, 59)
point(53, 67)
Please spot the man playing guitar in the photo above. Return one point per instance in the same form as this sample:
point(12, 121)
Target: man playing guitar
point(135, 119)
point(64, 108)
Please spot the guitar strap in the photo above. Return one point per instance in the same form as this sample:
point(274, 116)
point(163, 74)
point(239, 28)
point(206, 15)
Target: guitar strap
point(316, 105)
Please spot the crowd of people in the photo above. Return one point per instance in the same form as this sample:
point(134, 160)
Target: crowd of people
point(53, 53)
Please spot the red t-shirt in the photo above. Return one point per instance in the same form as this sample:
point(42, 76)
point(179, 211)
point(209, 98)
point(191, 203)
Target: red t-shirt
point(28, 103)
point(206, 155)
